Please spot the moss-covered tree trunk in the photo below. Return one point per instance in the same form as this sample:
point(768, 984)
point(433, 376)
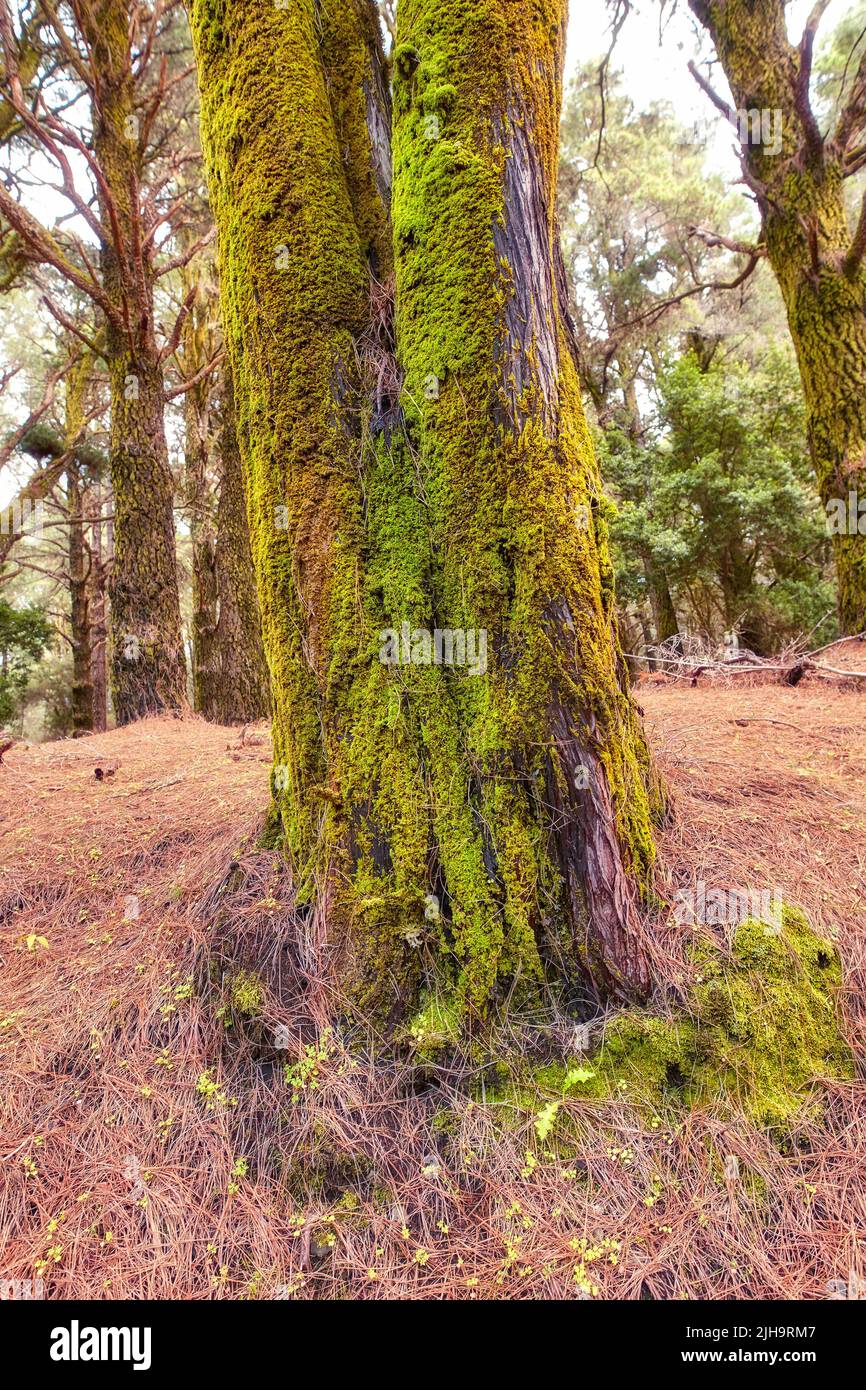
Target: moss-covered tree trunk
point(798, 177)
point(557, 764)
point(148, 666)
point(463, 788)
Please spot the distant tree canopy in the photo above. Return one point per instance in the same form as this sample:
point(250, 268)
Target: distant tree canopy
point(25, 634)
point(717, 525)
point(719, 492)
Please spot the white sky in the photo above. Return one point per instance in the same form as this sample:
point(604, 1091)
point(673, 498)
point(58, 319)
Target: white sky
point(654, 73)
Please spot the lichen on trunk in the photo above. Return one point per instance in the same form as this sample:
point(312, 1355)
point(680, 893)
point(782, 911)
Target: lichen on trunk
point(485, 822)
point(559, 769)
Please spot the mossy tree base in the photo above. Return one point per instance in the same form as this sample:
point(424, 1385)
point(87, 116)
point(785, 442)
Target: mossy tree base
point(430, 466)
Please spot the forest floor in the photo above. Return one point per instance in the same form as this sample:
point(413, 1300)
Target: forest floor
point(150, 1145)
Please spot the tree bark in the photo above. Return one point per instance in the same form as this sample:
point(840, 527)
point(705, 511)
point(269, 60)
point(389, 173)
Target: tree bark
point(661, 600)
point(500, 817)
point(198, 344)
point(99, 625)
point(241, 684)
point(147, 658)
point(80, 623)
point(77, 382)
point(800, 191)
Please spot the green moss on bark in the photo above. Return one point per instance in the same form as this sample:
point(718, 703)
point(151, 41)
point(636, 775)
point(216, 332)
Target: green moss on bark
point(439, 486)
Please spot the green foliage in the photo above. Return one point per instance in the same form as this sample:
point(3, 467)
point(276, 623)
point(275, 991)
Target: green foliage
point(25, 634)
point(719, 494)
point(836, 62)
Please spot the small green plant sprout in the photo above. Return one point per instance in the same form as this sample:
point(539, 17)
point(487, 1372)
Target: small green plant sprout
point(214, 1095)
point(435, 1026)
point(53, 1255)
point(240, 1168)
point(35, 943)
point(545, 1120)
point(606, 1249)
point(577, 1076)
point(177, 992)
point(305, 1074)
point(322, 1242)
point(163, 1128)
point(656, 1190)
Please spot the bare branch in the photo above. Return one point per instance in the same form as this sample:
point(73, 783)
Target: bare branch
point(719, 102)
point(185, 386)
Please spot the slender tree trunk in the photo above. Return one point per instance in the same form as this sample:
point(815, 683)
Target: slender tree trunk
point(99, 626)
point(661, 601)
point(664, 613)
point(798, 178)
point(201, 507)
point(497, 808)
point(241, 678)
point(79, 564)
point(77, 383)
point(148, 668)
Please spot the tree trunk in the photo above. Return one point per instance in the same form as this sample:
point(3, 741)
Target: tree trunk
point(800, 192)
point(241, 678)
point(496, 809)
point(82, 676)
point(99, 626)
point(664, 613)
point(77, 382)
point(148, 667)
point(201, 507)
point(661, 600)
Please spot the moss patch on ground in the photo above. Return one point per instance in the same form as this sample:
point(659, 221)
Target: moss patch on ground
point(760, 1027)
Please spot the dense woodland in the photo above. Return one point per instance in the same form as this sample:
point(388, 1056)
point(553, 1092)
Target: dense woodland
point(392, 375)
